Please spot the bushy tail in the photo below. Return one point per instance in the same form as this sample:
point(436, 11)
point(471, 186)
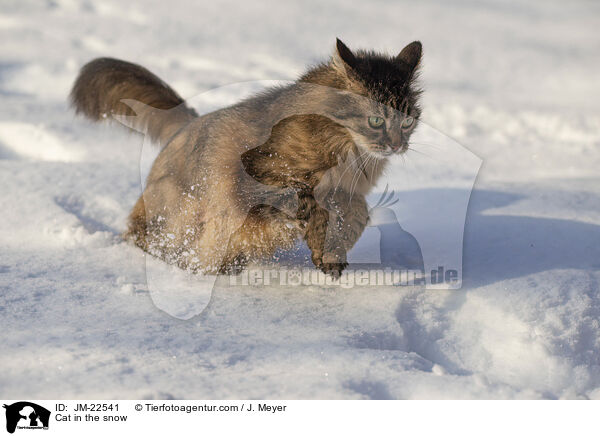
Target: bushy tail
point(107, 88)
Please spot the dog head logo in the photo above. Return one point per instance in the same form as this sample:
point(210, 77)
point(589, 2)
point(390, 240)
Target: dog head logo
point(26, 415)
point(411, 219)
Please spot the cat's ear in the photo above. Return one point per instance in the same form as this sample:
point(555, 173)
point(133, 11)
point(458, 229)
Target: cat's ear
point(410, 55)
point(343, 55)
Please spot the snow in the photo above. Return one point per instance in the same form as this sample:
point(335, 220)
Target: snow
point(514, 82)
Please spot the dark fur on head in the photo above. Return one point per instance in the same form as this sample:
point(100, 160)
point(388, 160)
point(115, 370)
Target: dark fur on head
point(375, 87)
point(388, 80)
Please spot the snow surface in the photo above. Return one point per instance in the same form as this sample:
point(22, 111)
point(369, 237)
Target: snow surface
point(515, 82)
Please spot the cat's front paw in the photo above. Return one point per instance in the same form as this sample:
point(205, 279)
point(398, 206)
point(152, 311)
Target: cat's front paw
point(334, 269)
point(331, 263)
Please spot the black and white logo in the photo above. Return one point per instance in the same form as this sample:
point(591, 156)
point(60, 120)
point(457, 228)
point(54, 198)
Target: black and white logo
point(26, 415)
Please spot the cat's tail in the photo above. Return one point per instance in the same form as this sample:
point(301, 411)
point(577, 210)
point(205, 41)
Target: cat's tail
point(107, 88)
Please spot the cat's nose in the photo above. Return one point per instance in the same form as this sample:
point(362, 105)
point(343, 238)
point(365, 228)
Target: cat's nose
point(395, 147)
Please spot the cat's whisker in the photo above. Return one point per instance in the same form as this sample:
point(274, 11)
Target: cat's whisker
point(427, 144)
point(370, 157)
point(420, 152)
point(347, 168)
point(356, 176)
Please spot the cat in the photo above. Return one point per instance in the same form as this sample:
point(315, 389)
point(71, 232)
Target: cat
point(292, 162)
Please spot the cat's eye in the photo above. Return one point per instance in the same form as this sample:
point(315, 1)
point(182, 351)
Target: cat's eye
point(375, 122)
point(407, 122)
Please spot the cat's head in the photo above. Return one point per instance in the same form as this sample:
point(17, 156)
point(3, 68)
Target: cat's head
point(379, 102)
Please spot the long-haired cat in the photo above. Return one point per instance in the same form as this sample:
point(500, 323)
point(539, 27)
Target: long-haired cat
point(293, 162)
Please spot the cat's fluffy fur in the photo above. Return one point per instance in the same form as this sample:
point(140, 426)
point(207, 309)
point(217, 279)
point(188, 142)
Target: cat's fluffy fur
point(237, 184)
